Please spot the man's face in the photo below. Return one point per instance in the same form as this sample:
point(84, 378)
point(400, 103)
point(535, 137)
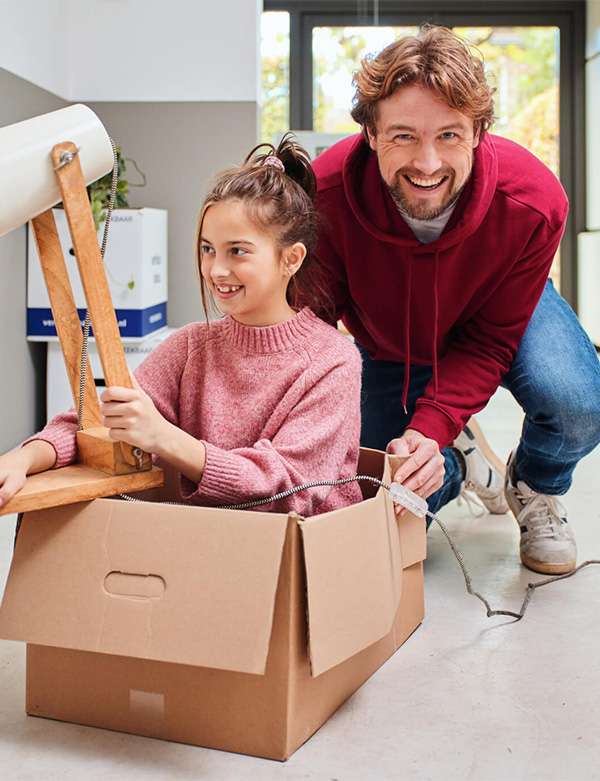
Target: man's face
point(424, 149)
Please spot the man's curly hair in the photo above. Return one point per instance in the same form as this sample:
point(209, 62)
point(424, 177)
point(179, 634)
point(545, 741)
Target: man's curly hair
point(436, 59)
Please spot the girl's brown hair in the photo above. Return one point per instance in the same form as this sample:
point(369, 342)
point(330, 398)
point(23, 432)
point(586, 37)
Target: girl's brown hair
point(278, 199)
point(436, 59)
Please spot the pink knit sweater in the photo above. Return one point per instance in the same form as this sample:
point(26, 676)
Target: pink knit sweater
point(275, 407)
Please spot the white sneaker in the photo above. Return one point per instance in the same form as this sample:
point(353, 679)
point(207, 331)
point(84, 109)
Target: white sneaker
point(482, 476)
point(547, 542)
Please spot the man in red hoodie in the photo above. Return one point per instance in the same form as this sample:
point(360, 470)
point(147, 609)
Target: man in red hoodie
point(436, 244)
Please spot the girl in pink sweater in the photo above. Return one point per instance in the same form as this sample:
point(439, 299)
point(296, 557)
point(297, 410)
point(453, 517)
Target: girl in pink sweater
point(262, 400)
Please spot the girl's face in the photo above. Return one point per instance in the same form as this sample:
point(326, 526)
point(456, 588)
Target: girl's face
point(242, 267)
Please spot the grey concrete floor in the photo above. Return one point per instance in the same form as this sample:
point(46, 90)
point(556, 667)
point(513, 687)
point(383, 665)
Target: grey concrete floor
point(467, 697)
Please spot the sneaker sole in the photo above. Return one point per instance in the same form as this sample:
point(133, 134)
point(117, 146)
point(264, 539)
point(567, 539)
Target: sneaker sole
point(546, 568)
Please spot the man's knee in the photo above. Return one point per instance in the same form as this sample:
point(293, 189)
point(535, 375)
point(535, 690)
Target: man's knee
point(582, 424)
point(575, 417)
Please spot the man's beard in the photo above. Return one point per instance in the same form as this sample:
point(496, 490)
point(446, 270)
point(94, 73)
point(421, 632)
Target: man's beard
point(422, 210)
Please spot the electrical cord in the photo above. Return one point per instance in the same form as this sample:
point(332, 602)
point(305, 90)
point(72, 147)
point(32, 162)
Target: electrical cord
point(530, 586)
point(417, 505)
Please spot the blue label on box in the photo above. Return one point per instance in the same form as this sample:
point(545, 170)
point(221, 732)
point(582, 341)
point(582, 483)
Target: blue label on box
point(132, 322)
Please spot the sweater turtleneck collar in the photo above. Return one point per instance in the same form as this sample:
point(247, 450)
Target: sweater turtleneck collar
point(270, 338)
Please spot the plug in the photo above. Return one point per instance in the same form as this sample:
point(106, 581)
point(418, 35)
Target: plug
point(404, 496)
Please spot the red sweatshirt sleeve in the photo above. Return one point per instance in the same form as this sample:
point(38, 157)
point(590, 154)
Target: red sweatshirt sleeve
point(484, 347)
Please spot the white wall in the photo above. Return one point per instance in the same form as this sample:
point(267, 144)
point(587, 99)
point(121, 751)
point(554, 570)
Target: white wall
point(178, 50)
point(21, 363)
point(592, 75)
point(34, 38)
point(134, 50)
point(589, 242)
point(176, 84)
point(593, 28)
point(180, 147)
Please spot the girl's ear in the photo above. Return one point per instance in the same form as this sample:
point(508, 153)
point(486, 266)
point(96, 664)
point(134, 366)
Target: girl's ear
point(293, 257)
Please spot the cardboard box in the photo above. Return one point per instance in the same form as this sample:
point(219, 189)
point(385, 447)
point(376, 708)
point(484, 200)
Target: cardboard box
point(241, 631)
point(136, 268)
point(58, 389)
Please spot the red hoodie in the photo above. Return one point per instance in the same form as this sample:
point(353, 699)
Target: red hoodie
point(461, 303)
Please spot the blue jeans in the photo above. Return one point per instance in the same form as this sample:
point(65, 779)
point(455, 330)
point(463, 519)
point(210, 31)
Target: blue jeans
point(555, 377)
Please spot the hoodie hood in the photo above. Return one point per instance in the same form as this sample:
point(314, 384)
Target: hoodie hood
point(378, 214)
point(376, 210)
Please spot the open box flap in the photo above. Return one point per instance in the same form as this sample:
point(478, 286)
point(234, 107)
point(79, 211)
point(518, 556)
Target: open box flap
point(190, 585)
point(413, 540)
point(354, 576)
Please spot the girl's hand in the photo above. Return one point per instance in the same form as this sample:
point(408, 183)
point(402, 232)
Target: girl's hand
point(35, 456)
point(12, 475)
point(131, 417)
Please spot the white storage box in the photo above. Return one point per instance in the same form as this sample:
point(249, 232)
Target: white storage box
point(136, 267)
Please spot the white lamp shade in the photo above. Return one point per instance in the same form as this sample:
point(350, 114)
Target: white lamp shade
point(28, 183)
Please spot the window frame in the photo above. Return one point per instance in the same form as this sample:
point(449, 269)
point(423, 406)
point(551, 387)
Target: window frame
point(568, 15)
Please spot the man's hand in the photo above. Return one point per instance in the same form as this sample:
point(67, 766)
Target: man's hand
point(423, 471)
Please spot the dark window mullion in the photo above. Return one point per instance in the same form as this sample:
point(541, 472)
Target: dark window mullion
point(296, 75)
point(306, 64)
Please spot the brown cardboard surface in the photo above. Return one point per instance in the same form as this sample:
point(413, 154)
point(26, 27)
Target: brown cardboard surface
point(354, 573)
point(354, 580)
point(316, 699)
point(190, 624)
point(218, 570)
point(413, 542)
point(268, 716)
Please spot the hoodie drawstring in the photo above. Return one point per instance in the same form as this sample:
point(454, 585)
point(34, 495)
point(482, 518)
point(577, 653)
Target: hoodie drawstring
point(407, 335)
point(436, 314)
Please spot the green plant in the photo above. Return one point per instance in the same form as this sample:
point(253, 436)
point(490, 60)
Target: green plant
point(99, 191)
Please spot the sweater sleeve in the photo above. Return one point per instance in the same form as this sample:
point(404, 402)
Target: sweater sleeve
point(61, 433)
point(161, 372)
point(484, 347)
point(159, 375)
point(317, 440)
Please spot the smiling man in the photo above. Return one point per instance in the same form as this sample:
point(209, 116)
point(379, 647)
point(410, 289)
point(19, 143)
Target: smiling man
point(425, 151)
point(436, 244)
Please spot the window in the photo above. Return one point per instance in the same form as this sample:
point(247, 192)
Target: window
point(336, 54)
point(275, 56)
point(536, 52)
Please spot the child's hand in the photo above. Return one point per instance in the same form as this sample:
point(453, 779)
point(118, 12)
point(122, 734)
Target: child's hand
point(35, 456)
point(13, 472)
point(130, 416)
